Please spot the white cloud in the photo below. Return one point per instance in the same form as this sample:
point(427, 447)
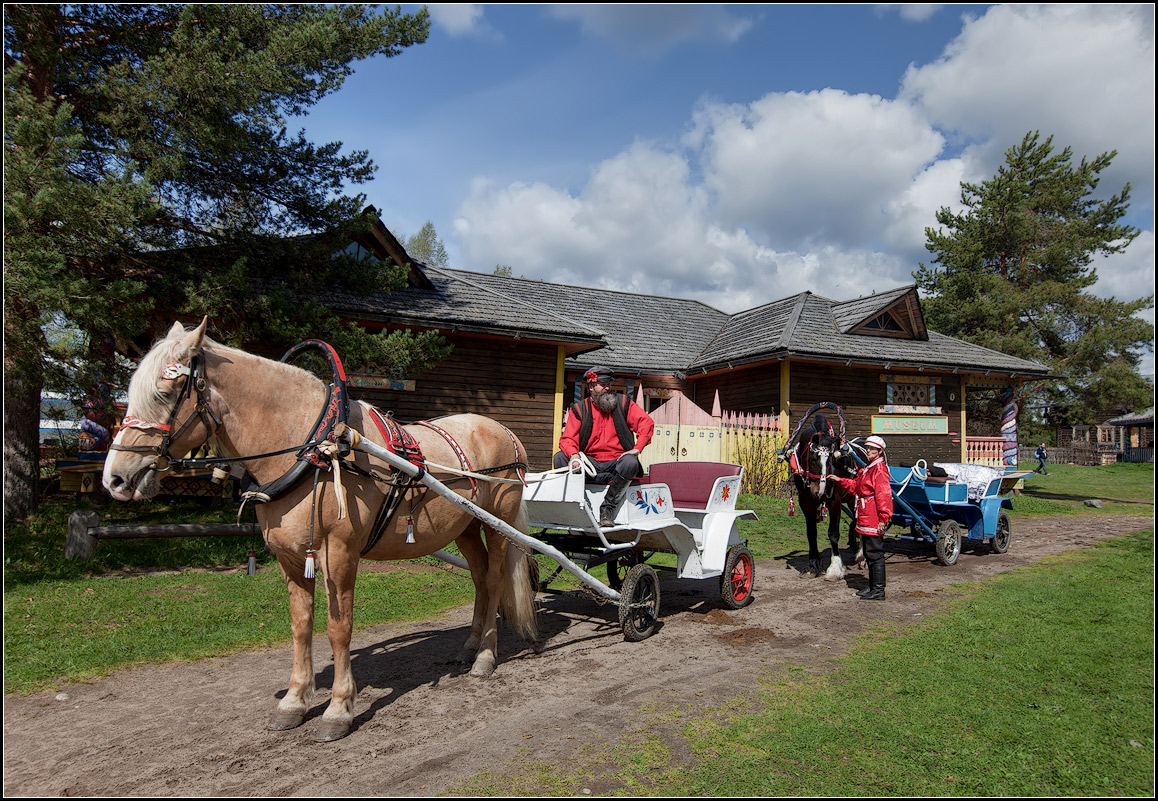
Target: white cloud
point(1127, 275)
point(652, 28)
point(911, 12)
point(1084, 74)
point(815, 167)
point(460, 19)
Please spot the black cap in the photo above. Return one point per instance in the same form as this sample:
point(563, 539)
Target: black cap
point(601, 374)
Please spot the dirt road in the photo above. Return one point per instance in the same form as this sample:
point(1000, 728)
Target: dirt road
point(424, 727)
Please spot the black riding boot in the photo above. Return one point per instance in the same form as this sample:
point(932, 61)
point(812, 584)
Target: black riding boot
point(876, 582)
point(872, 583)
point(615, 492)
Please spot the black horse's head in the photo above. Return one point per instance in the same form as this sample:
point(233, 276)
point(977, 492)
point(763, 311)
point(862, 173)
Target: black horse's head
point(821, 454)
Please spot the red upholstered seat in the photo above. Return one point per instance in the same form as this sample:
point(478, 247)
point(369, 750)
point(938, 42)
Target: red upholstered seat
point(690, 482)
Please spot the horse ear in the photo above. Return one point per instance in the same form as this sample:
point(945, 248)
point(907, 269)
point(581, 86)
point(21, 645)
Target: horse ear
point(176, 331)
point(192, 343)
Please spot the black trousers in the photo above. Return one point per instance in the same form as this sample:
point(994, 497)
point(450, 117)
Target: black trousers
point(625, 468)
point(874, 549)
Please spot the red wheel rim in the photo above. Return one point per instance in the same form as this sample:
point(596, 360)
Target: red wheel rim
point(741, 578)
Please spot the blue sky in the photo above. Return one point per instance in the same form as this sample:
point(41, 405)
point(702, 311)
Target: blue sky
point(738, 154)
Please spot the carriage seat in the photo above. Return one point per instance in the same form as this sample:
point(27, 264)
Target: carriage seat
point(691, 483)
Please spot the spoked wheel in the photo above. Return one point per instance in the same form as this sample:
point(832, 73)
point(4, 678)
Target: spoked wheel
point(739, 576)
point(948, 544)
point(618, 568)
point(639, 603)
point(1004, 535)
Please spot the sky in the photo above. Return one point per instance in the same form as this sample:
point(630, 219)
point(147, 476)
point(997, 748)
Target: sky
point(739, 154)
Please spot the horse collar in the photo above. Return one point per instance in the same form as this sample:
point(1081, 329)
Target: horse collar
point(337, 407)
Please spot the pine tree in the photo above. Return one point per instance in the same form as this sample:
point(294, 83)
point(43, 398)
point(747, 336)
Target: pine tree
point(1012, 272)
point(149, 174)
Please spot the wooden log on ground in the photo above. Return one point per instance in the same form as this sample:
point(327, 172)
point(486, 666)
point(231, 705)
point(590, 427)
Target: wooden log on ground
point(84, 531)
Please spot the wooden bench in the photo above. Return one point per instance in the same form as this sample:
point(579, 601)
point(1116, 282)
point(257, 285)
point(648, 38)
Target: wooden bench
point(692, 484)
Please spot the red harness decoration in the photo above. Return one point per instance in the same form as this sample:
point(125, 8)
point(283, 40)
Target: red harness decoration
point(457, 449)
point(398, 439)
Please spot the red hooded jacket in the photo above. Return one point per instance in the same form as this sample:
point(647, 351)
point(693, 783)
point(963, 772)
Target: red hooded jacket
point(874, 497)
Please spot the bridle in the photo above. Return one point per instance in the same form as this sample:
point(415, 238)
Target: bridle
point(196, 381)
point(335, 411)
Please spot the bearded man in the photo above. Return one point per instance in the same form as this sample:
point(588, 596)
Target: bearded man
point(612, 430)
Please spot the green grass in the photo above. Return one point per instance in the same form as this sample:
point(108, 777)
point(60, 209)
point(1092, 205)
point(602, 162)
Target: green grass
point(1037, 683)
point(1123, 489)
point(154, 601)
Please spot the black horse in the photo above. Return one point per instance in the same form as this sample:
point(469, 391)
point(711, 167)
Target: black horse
point(816, 459)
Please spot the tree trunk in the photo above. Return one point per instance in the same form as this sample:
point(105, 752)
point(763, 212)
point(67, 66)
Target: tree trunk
point(21, 446)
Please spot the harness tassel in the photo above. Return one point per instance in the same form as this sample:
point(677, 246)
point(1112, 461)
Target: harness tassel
point(309, 572)
point(252, 568)
point(791, 508)
point(409, 529)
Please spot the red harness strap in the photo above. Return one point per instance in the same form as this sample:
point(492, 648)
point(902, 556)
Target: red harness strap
point(457, 449)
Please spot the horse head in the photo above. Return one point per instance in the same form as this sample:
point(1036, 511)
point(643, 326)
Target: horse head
point(168, 386)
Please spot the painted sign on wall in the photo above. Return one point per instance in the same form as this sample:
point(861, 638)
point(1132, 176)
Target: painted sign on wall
point(904, 424)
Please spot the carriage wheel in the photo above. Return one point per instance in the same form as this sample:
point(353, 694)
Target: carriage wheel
point(948, 545)
point(1004, 535)
point(739, 576)
point(618, 568)
point(639, 603)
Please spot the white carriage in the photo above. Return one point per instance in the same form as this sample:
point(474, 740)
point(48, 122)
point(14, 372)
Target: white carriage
point(683, 508)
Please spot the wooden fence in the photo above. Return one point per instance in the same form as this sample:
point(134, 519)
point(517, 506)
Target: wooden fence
point(685, 432)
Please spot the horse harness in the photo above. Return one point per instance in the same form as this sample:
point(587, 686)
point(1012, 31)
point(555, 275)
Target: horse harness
point(320, 450)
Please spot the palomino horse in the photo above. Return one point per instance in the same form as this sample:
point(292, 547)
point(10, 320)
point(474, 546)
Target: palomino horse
point(816, 459)
point(252, 405)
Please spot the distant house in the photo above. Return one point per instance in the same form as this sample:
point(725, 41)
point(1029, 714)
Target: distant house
point(1133, 436)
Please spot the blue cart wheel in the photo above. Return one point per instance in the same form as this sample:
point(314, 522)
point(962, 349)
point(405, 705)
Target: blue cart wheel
point(1004, 535)
point(948, 545)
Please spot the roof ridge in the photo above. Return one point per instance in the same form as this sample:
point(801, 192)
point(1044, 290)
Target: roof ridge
point(586, 288)
point(793, 319)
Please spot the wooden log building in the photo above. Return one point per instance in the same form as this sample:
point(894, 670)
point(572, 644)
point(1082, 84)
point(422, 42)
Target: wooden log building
point(521, 345)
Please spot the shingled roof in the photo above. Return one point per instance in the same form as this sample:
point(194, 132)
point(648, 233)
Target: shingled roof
point(813, 327)
point(655, 335)
point(457, 300)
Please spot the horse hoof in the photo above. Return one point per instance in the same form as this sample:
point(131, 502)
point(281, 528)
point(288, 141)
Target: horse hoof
point(283, 721)
point(332, 730)
point(482, 668)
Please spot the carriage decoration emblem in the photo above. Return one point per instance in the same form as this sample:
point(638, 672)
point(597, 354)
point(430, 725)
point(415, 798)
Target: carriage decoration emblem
point(651, 503)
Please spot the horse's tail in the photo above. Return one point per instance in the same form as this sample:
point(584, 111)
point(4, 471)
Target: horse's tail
point(517, 605)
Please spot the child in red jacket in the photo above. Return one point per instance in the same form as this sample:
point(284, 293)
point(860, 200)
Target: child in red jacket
point(874, 509)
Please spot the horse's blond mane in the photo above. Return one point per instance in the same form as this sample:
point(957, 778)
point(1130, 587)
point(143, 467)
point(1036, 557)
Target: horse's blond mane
point(148, 402)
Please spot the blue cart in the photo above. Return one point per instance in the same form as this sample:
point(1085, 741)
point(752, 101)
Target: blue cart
point(948, 512)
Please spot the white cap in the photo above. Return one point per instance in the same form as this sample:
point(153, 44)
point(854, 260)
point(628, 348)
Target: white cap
point(875, 441)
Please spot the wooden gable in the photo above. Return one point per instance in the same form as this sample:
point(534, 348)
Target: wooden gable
point(901, 319)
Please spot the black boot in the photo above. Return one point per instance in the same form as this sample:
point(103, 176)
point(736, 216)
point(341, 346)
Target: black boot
point(615, 492)
point(872, 584)
point(876, 582)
